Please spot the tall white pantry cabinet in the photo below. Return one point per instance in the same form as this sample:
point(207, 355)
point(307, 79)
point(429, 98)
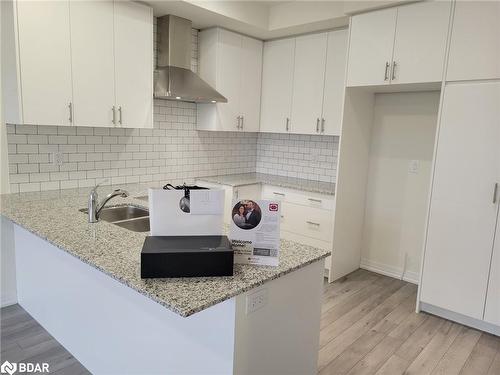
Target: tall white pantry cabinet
point(460, 277)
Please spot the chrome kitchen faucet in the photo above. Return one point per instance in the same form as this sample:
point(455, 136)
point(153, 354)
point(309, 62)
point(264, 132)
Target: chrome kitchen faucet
point(95, 207)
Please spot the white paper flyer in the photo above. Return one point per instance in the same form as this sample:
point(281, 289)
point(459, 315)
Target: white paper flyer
point(255, 232)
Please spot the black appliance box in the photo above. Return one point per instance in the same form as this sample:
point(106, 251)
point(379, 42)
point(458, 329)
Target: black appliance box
point(186, 256)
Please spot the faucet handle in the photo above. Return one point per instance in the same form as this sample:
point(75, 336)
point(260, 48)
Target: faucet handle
point(94, 189)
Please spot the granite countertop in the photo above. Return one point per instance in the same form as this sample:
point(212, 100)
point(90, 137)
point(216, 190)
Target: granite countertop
point(54, 216)
point(269, 179)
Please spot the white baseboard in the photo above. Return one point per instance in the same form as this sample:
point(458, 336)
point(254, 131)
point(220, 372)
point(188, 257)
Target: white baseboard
point(459, 318)
point(391, 271)
point(8, 300)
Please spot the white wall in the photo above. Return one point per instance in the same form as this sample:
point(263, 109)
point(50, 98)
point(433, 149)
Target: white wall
point(404, 126)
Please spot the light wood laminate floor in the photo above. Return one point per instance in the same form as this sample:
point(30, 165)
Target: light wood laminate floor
point(24, 340)
point(368, 326)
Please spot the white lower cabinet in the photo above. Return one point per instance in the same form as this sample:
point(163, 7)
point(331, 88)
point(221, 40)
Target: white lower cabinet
point(464, 207)
point(306, 218)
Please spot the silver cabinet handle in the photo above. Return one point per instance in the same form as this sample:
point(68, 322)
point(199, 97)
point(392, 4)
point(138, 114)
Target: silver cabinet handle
point(315, 200)
point(386, 74)
point(120, 115)
point(238, 125)
point(393, 76)
point(70, 106)
point(495, 193)
point(242, 122)
point(317, 125)
point(276, 193)
point(287, 124)
point(322, 125)
point(313, 223)
point(114, 115)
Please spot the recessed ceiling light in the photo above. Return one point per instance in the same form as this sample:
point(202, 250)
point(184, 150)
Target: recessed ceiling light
point(214, 101)
point(177, 97)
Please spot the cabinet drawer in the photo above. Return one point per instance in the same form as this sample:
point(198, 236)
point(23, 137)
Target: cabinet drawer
point(309, 199)
point(306, 221)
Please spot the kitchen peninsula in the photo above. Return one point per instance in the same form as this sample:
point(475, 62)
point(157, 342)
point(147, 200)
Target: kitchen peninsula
point(82, 282)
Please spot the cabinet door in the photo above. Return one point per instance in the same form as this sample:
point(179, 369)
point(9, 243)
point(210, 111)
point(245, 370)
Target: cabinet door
point(308, 83)
point(277, 85)
point(462, 214)
point(92, 62)
point(475, 41)
point(334, 82)
point(492, 309)
point(45, 61)
point(251, 74)
point(229, 79)
point(420, 42)
point(133, 25)
point(370, 47)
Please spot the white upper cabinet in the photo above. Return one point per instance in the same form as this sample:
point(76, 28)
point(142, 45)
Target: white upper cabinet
point(303, 84)
point(308, 81)
point(84, 63)
point(229, 78)
point(420, 43)
point(333, 97)
point(463, 211)
point(475, 41)
point(44, 61)
point(277, 85)
point(92, 62)
point(133, 25)
point(232, 64)
point(370, 48)
point(251, 79)
point(406, 44)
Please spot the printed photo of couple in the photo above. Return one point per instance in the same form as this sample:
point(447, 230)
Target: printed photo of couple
point(246, 214)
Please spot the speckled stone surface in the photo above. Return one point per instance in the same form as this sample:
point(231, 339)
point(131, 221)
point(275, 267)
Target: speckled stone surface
point(55, 217)
point(269, 179)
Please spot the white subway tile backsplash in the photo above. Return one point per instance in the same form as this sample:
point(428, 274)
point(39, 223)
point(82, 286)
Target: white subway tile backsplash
point(28, 187)
point(303, 156)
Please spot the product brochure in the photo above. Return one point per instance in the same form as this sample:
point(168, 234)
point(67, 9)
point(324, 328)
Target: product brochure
point(255, 232)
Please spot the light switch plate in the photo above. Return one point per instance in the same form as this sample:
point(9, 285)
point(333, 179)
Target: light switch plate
point(57, 158)
point(413, 166)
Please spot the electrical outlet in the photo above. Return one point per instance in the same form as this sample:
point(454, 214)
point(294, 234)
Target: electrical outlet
point(413, 166)
point(256, 300)
point(57, 158)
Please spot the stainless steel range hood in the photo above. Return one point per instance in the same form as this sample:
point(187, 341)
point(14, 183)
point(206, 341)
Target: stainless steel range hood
point(173, 76)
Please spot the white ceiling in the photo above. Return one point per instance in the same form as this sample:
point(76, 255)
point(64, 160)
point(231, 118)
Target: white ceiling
point(267, 19)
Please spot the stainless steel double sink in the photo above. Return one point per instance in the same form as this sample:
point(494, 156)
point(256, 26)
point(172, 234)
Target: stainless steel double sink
point(129, 217)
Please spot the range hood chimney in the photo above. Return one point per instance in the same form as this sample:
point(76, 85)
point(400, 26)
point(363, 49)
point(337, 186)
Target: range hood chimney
point(173, 76)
